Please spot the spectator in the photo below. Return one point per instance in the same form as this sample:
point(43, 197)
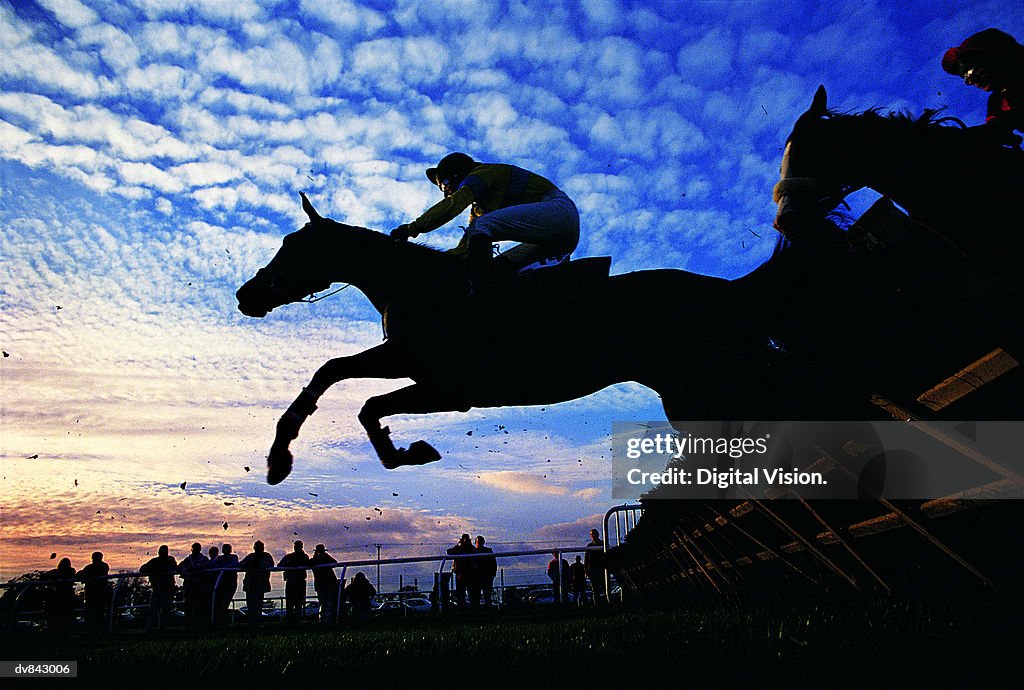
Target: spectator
point(225, 584)
point(359, 594)
point(579, 581)
point(60, 599)
point(462, 568)
point(593, 561)
point(294, 583)
point(210, 576)
point(486, 570)
point(196, 590)
point(256, 582)
point(160, 570)
point(325, 582)
point(97, 594)
point(560, 576)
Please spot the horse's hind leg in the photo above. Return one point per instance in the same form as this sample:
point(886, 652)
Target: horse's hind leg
point(415, 399)
point(377, 362)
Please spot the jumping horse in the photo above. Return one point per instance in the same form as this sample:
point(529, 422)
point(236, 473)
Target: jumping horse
point(709, 347)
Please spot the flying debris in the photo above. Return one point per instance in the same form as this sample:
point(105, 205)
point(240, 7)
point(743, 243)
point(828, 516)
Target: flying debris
point(247, 468)
point(225, 526)
point(313, 494)
point(393, 493)
point(33, 457)
point(53, 555)
point(229, 503)
point(469, 433)
point(6, 353)
point(182, 485)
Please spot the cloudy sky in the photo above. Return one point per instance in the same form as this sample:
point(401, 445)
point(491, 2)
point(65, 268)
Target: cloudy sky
point(151, 157)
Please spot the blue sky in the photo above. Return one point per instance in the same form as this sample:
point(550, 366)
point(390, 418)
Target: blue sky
point(151, 156)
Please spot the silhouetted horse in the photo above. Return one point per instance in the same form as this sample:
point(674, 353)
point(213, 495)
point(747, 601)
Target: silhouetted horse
point(959, 182)
point(709, 347)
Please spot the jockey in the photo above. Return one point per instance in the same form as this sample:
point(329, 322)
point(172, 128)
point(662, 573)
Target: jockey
point(509, 204)
point(993, 61)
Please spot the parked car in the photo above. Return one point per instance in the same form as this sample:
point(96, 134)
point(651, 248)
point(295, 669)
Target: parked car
point(403, 607)
point(270, 611)
point(418, 605)
point(544, 595)
point(388, 608)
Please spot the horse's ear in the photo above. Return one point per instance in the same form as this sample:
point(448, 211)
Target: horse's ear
point(819, 106)
point(308, 208)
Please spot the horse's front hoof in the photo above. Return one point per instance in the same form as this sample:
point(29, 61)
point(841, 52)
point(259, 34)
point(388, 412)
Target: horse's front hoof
point(418, 453)
point(279, 465)
point(421, 452)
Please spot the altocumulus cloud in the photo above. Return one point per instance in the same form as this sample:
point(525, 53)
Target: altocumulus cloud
point(152, 151)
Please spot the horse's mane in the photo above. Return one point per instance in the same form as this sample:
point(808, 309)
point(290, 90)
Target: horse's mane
point(930, 134)
point(929, 118)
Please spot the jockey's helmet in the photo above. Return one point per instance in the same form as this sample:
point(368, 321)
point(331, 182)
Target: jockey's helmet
point(454, 167)
point(988, 46)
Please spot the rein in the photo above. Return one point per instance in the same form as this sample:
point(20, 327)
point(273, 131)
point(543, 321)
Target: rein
point(313, 299)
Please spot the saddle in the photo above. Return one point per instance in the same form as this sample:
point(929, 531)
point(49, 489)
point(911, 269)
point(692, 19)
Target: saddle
point(544, 289)
point(563, 282)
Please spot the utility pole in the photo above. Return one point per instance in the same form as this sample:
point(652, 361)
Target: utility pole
point(378, 566)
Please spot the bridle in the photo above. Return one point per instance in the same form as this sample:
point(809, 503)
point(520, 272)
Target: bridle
point(313, 299)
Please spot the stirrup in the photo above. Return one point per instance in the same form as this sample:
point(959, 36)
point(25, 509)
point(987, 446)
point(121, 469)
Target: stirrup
point(543, 263)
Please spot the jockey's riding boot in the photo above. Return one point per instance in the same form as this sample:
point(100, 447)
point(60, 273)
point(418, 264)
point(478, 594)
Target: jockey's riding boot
point(479, 256)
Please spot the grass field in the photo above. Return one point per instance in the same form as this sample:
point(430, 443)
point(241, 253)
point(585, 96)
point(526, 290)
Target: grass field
point(821, 644)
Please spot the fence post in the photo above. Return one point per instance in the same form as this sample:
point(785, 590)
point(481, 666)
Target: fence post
point(341, 593)
point(561, 581)
point(437, 593)
point(113, 605)
point(213, 598)
point(14, 606)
